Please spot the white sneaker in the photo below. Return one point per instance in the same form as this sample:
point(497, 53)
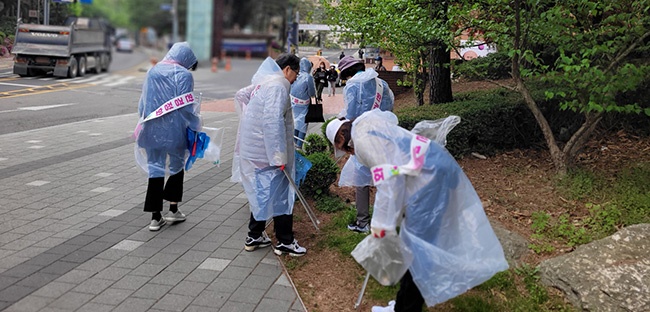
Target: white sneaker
point(292, 249)
point(389, 308)
point(177, 216)
point(155, 225)
point(255, 243)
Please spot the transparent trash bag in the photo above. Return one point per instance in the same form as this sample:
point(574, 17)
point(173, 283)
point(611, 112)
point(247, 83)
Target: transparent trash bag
point(436, 130)
point(386, 259)
point(213, 152)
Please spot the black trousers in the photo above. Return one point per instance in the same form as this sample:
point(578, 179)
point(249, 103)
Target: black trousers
point(157, 191)
point(319, 91)
point(283, 226)
point(409, 298)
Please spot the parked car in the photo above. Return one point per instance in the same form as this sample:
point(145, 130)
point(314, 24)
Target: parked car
point(124, 45)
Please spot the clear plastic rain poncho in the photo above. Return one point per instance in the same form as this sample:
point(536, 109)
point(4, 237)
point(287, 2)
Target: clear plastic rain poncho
point(167, 108)
point(359, 97)
point(266, 142)
point(302, 90)
point(452, 242)
point(242, 97)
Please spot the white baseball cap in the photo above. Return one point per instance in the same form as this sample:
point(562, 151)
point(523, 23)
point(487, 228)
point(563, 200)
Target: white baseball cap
point(331, 130)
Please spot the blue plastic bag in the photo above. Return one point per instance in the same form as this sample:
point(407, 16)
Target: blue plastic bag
point(302, 166)
point(197, 143)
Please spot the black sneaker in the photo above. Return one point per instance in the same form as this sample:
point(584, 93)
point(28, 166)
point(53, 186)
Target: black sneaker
point(254, 243)
point(292, 249)
point(354, 226)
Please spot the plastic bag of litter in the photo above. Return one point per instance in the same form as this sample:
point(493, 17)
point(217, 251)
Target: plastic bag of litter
point(386, 259)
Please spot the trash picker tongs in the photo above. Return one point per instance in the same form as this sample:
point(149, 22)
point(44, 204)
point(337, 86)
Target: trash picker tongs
point(310, 212)
point(357, 304)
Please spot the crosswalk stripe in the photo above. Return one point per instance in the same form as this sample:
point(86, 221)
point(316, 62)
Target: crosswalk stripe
point(121, 81)
point(110, 80)
point(88, 79)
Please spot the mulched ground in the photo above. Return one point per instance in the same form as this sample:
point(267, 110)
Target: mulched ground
point(511, 185)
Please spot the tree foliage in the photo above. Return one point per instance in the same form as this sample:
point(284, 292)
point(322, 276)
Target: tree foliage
point(591, 46)
point(410, 29)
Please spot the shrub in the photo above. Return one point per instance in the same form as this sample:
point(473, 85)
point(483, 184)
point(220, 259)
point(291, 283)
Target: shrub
point(494, 120)
point(315, 144)
point(321, 175)
point(493, 66)
point(323, 128)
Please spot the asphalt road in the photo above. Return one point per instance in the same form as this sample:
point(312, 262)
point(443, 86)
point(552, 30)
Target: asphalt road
point(42, 101)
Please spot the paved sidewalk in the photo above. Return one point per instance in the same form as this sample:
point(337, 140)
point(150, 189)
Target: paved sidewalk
point(73, 236)
point(6, 62)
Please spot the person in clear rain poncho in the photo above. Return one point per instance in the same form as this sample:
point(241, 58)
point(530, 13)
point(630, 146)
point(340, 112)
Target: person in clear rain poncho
point(450, 242)
point(363, 92)
point(267, 154)
point(302, 90)
point(167, 108)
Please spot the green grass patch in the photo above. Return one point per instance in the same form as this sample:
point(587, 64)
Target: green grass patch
point(328, 203)
point(612, 203)
point(500, 293)
point(337, 235)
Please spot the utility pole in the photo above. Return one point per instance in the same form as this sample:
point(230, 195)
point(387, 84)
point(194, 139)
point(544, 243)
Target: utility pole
point(46, 12)
point(174, 21)
point(217, 28)
point(18, 14)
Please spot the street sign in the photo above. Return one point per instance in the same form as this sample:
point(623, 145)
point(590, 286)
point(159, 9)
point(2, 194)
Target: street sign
point(166, 7)
point(33, 13)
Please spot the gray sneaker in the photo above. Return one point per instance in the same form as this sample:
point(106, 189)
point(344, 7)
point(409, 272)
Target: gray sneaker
point(178, 216)
point(155, 225)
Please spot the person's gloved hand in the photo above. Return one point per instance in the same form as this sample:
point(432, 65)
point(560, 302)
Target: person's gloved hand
point(378, 232)
point(281, 167)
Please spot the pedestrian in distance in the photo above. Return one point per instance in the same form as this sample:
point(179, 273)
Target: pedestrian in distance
point(422, 189)
point(167, 108)
point(302, 90)
point(363, 92)
point(267, 155)
point(342, 55)
point(320, 78)
point(379, 64)
point(332, 76)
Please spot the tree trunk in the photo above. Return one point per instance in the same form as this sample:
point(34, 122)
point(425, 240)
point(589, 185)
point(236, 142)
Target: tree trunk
point(439, 74)
point(580, 137)
point(420, 80)
point(557, 156)
point(439, 59)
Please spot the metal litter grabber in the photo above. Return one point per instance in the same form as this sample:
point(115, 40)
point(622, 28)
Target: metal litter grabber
point(301, 140)
point(310, 212)
point(357, 304)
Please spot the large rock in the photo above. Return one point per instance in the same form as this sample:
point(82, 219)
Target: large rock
point(611, 274)
point(515, 246)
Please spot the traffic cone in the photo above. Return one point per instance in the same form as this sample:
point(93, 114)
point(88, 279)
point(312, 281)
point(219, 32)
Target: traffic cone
point(228, 66)
point(214, 64)
point(248, 55)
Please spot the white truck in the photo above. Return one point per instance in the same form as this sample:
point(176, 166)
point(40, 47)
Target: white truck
point(81, 45)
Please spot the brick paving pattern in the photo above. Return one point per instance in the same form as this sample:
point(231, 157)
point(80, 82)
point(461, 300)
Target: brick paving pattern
point(73, 236)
